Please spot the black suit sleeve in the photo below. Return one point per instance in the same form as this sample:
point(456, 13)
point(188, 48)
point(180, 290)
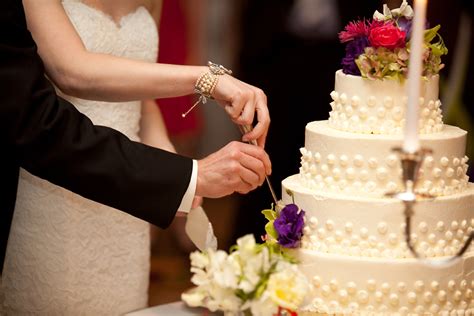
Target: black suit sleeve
point(50, 138)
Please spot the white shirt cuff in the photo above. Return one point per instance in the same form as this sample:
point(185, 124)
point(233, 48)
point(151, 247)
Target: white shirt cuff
point(188, 196)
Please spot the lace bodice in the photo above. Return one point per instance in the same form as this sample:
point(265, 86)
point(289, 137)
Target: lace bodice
point(135, 37)
point(68, 255)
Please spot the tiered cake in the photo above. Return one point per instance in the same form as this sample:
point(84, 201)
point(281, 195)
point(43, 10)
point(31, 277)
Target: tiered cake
point(354, 248)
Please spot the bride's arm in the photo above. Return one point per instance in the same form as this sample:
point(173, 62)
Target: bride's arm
point(152, 127)
point(99, 76)
point(96, 76)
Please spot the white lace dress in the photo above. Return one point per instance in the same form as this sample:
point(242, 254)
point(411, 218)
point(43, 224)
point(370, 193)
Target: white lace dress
point(68, 255)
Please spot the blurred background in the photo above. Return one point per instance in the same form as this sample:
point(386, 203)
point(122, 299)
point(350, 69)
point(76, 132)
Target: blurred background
point(290, 49)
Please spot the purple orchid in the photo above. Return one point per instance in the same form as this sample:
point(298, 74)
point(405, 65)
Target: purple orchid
point(289, 226)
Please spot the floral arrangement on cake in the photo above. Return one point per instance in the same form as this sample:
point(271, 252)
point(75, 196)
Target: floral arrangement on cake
point(250, 280)
point(285, 226)
point(379, 48)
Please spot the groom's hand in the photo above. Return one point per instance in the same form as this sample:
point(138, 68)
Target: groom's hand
point(238, 167)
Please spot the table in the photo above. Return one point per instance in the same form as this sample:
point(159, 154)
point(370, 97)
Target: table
point(175, 309)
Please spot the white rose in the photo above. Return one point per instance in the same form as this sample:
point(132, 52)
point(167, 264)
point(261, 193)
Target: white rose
point(288, 287)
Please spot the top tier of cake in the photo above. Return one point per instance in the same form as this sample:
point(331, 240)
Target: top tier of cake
point(352, 152)
point(378, 106)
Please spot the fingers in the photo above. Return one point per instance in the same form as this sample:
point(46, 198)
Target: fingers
point(259, 154)
point(260, 130)
point(254, 165)
point(238, 167)
point(241, 100)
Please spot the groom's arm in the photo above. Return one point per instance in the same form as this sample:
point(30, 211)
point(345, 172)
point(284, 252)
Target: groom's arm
point(52, 140)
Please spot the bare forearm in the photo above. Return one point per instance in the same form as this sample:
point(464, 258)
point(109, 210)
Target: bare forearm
point(90, 75)
point(119, 79)
point(152, 127)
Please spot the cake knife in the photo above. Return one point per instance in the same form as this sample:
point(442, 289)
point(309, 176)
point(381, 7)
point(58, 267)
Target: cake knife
point(199, 229)
point(244, 129)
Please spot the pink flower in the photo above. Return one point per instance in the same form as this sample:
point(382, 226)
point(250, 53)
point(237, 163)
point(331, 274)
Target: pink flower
point(388, 36)
point(353, 30)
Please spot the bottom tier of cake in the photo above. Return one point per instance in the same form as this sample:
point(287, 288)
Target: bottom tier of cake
point(353, 286)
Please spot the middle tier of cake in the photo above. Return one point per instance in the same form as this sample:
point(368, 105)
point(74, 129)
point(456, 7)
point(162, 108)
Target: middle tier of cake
point(375, 227)
point(365, 164)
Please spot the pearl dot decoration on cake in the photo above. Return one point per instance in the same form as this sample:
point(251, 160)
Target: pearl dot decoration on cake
point(428, 297)
point(434, 308)
point(385, 288)
point(363, 297)
point(412, 297)
point(329, 225)
point(442, 296)
point(378, 296)
point(419, 285)
point(387, 113)
point(325, 290)
point(420, 310)
point(351, 288)
point(358, 174)
point(371, 285)
point(394, 300)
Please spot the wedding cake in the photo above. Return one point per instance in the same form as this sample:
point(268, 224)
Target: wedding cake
point(353, 249)
point(336, 243)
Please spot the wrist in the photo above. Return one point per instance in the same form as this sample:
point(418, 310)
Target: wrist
point(206, 82)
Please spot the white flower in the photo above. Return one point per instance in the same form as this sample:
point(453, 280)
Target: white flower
point(224, 269)
point(247, 246)
point(223, 299)
point(263, 306)
point(220, 277)
point(200, 277)
point(405, 10)
point(253, 269)
point(194, 297)
point(199, 259)
point(287, 287)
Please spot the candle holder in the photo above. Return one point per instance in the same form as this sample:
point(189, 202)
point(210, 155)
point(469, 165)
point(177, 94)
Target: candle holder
point(411, 163)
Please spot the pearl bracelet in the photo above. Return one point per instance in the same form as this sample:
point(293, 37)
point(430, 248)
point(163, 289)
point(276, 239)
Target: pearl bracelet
point(207, 82)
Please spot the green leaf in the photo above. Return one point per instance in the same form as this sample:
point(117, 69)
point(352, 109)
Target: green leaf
point(438, 48)
point(430, 34)
point(269, 214)
point(271, 231)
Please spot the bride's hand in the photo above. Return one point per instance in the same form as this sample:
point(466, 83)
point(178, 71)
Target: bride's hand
point(241, 101)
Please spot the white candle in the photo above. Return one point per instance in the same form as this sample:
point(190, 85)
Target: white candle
point(411, 141)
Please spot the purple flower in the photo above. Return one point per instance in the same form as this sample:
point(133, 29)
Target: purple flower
point(353, 49)
point(289, 226)
point(405, 25)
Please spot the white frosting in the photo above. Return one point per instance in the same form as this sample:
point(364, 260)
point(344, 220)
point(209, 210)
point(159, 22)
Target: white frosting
point(354, 247)
point(375, 228)
point(361, 286)
point(364, 164)
point(362, 105)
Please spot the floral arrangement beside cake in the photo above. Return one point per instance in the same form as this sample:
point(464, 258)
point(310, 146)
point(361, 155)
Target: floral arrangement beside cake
point(349, 242)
